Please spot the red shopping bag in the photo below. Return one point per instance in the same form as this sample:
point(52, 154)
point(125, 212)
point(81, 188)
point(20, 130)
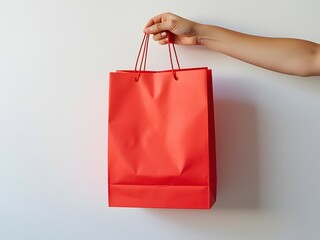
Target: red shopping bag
point(161, 142)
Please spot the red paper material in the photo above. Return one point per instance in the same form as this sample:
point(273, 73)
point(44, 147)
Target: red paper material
point(161, 144)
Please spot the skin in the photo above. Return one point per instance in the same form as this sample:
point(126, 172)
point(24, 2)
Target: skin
point(285, 55)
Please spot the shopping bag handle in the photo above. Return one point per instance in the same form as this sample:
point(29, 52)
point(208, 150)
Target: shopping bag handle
point(144, 50)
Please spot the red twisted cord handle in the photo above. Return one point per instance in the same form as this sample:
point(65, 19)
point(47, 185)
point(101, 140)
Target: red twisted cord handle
point(144, 50)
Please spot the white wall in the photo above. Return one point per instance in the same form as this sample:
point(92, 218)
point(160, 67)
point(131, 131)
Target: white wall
point(54, 62)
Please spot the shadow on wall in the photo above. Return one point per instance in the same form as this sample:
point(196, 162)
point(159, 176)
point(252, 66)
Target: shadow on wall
point(237, 162)
point(236, 132)
point(237, 154)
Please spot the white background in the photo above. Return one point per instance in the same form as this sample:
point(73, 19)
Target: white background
point(54, 62)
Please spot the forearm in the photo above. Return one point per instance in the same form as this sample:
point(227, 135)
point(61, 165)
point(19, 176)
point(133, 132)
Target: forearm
point(290, 56)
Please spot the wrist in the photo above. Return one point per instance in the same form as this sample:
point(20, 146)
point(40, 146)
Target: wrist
point(204, 34)
point(198, 29)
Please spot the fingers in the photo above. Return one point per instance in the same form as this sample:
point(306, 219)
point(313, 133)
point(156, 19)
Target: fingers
point(163, 41)
point(160, 36)
point(157, 19)
point(154, 20)
point(160, 23)
point(159, 27)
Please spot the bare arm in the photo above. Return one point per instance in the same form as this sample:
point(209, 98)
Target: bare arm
point(285, 55)
point(290, 56)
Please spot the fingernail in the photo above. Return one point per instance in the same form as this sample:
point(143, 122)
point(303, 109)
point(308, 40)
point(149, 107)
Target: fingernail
point(148, 30)
point(163, 34)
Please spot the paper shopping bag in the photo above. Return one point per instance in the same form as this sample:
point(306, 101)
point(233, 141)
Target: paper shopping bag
point(161, 140)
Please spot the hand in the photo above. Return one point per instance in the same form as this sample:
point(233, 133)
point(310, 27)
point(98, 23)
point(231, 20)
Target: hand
point(184, 30)
point(285, 55)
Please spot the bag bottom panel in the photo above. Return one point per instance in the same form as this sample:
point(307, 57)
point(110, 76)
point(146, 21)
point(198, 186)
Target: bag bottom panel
point(160, 196)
